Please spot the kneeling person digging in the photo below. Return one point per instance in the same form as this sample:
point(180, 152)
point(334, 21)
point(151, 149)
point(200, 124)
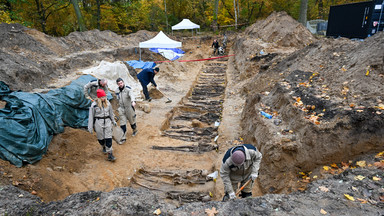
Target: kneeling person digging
point(126, 108)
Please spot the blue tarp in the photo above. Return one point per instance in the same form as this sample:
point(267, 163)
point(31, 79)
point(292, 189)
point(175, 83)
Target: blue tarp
point(140, 64)
point(29, 120)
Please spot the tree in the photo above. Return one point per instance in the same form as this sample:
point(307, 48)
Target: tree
point(303, 12)
point(78, 15)
point(214, 21)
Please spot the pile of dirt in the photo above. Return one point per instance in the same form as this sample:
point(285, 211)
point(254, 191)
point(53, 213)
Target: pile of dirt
point(326, 106)
point(31, 59)
point(353, 192)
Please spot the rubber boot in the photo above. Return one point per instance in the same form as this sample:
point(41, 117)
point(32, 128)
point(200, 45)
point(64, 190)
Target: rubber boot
point(134, 128)
point(111, 157)
point(245, 194)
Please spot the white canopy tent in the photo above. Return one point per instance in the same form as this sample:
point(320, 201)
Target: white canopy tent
point(159, 41)
point(185, 24)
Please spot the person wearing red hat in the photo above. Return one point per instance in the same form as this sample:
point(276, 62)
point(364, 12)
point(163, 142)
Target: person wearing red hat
point(240, 164)
point(101, 119)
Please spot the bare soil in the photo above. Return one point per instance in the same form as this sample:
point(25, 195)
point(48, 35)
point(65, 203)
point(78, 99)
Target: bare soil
point(286, 72)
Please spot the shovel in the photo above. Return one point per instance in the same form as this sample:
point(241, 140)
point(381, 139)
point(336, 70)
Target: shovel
point(168, 99)
point(242, 187)
point(226, 198)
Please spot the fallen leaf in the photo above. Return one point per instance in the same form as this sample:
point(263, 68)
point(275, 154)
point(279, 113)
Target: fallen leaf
point(363, 201)
point(211, 212)
point(361, 163)
point(376, 178)
point(379, 164)
point(326, 168)
point(354, 188)
point(157, 212)
point(380, 154)
point(334, 166)
point(349, 197)
point(322, 211)
point(98, 198)
point(359, 177)
point(323, 188)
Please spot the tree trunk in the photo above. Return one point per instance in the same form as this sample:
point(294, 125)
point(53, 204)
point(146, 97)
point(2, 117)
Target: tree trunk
point(234, 6)
point(41, 14)
point(214, 21)
point(303, 12)
point(78, 15)
point(166, 15)
point(320, 6)
point(98, 13)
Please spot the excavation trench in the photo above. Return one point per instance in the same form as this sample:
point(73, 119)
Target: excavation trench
point(197, 118)
point(194, 121)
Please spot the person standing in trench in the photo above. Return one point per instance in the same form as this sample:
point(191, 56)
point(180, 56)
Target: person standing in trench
point(101, 119)
point(240, 165)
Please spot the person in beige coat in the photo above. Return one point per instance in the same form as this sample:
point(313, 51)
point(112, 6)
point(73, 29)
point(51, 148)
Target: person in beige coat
point(240, 164)
point(101, 119)
point(91, 88)
point(126, 108)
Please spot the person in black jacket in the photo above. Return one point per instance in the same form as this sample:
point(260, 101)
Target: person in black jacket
point(215, 46)
point(145, 77)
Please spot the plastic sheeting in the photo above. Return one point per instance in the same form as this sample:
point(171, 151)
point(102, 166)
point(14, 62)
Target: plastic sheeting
point(169, 53)
point(29, 120)
point(141, 64)
point(113, 70)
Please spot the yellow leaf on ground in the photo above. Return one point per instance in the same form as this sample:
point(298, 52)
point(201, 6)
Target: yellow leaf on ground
point(380, 154)
point(157, 212)
point(376, 178)
point(334, 165)
point(349, 197)
point(211, 212)
point(326, 168)
point(322, 211)
point(359, 177)
point(361, 163)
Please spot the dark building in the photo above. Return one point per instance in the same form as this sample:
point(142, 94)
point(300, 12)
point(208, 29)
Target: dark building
point(356, 20)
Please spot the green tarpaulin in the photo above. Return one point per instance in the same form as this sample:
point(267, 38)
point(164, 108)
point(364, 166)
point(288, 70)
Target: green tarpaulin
point(29, 120)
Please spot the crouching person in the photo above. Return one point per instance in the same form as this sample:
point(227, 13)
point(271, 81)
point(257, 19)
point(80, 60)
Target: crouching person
point(240, 164)
point(126, 108)
point(101, 119)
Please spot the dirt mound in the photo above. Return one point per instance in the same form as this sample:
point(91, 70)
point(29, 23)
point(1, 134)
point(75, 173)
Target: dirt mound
point(272, 38)
point(326, 102)
point(342, 194)
point(31, 59)
point(281, 30)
